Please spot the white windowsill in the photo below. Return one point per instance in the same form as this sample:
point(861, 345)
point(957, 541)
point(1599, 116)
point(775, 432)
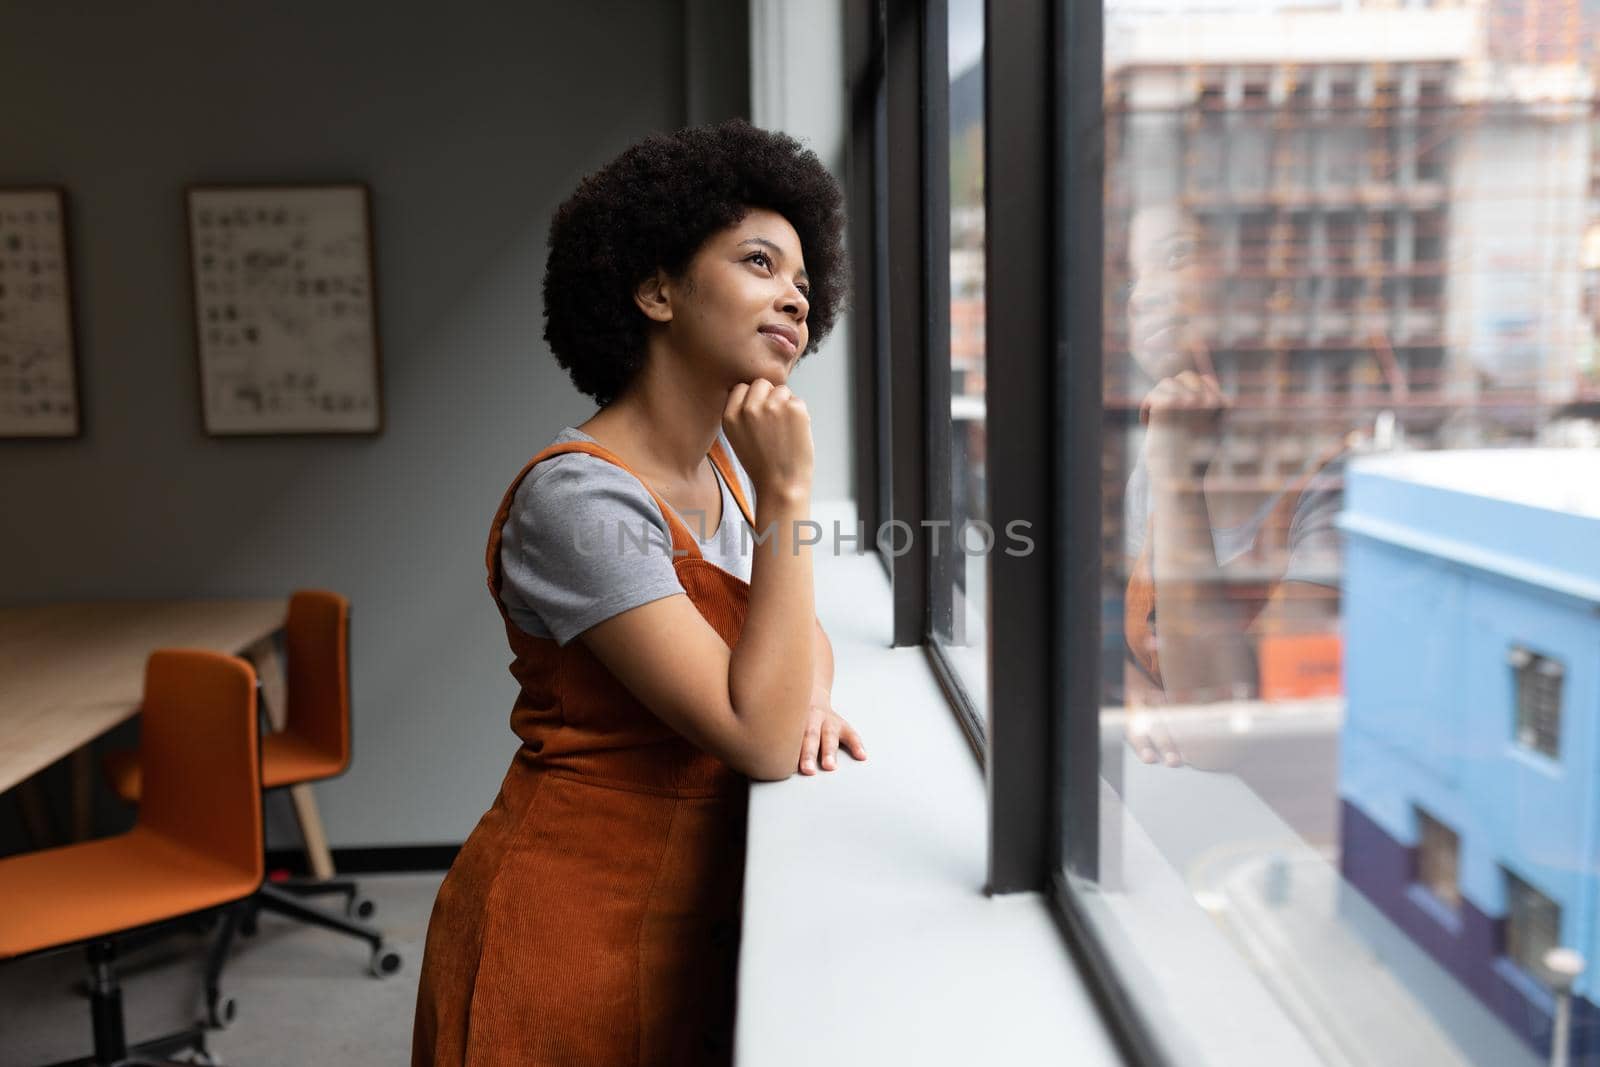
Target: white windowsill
point(868, 939)
point(867, 935)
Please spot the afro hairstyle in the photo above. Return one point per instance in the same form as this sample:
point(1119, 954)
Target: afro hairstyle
point(654, 206)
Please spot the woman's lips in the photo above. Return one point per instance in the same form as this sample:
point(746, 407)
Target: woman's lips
point(784, 345)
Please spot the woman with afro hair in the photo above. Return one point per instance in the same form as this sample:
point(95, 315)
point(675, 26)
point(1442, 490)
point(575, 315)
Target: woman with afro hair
point(592, 916)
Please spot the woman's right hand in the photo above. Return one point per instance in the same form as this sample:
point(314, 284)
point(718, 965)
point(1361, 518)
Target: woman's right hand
point(1184, 414)
point(770, 431)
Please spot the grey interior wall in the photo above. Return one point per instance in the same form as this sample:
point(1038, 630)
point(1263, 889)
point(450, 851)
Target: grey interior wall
point(799, 85)
point(470, 121)
point(716, 38)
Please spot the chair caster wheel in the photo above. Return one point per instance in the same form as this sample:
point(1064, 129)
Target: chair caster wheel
point(385, 961)
point(360, 908)
point(219, 1013)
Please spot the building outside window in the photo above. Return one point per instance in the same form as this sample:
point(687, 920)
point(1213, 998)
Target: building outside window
point(1538, 683)
point(1342, 268)
point(1313, 303)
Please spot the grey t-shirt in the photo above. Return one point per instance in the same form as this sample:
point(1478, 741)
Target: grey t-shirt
point(584, 541)
point(1314, 548)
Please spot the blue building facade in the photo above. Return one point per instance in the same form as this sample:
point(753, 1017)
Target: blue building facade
point(1470, 756)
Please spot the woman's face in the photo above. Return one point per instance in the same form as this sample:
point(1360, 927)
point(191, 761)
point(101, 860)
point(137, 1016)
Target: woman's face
point(744, 310)
point(1169, 286)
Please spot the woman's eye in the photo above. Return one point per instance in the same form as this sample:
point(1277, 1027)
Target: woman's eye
point(766, 261)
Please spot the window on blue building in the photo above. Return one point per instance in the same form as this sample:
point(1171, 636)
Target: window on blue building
point(1538, 681)
point(1438, 857)
point(1533, 925)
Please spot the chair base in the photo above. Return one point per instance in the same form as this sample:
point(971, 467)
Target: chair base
point(355, 905)
point(150, 1053)
point(111, 1048)
point(282, 898)
point(286, 899)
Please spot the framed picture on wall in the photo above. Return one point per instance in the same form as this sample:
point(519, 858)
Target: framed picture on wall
point(38, 350)
point(285, 309)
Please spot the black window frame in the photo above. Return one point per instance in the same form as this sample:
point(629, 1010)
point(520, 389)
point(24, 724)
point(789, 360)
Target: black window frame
point(866, 196)
point(941, 566)
point(899, 117)
point(1039, 741)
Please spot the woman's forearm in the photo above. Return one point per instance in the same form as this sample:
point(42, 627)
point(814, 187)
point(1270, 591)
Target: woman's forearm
point(773, 666)
point(822, 673)
point(1200, 633)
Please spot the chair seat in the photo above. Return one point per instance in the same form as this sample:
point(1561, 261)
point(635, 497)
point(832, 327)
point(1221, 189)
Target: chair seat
point(59, 896)
point(289, 760)
point(285, 760)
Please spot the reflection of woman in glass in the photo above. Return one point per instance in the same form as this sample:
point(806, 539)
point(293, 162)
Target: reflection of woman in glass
point(592, 916)
point(1198, 533)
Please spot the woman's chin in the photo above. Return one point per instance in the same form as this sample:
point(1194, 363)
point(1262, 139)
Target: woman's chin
point(773, 369)
point(1160, 361)
point(777, 376)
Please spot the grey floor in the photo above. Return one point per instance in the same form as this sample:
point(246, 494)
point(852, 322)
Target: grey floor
point(304, 995)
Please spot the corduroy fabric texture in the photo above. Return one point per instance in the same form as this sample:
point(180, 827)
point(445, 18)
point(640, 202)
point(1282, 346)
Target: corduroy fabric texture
point(592, 917)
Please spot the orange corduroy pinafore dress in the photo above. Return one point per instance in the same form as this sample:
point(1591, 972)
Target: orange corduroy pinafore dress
point(591, 918)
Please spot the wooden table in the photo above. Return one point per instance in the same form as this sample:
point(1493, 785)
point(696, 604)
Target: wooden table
point(70, 672)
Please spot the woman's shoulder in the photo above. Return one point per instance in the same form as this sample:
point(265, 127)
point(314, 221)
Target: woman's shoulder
point(574, 484)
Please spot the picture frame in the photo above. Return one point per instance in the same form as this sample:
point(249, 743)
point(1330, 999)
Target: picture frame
point(285, 305)
point(40, 394)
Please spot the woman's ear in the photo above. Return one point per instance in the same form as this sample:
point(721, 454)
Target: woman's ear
point(654, 297)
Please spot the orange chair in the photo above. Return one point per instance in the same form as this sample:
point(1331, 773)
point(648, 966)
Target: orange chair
point(196, 848)
point(313, 745)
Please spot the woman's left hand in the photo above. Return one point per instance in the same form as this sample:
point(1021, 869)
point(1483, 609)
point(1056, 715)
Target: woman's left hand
point(826, 730)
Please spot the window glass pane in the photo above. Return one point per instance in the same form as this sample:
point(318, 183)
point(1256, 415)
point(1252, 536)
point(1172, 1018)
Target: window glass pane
point(961, 631)
point(1352, 280)
point(1533, 925)
point(1438, 853)
point(1538, 688)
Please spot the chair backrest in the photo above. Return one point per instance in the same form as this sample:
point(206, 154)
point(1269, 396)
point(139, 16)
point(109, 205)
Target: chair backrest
point(317, 671)
point(200, 752)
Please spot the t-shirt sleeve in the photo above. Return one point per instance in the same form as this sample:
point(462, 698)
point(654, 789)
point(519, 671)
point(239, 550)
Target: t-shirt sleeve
point(1314, 545)
point(583, 541)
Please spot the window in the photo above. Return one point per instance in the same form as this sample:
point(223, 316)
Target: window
point(1438, 859)
point(1213, 697)
point(1271, 715)
point(1533, 925)
point(1538, 687)
point(957, 570)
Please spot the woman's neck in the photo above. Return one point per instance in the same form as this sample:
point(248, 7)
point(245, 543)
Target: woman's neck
point(660, 427)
